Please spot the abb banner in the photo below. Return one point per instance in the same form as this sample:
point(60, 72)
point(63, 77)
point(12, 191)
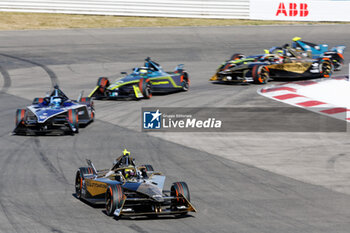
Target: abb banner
point(300, 10)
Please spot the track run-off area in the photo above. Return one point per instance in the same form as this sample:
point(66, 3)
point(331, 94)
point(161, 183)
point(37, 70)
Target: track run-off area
point(261, 182)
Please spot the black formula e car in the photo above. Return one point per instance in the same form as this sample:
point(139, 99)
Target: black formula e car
point(142, 82)
point(277, 63)
point(55, 113)
point(130, 190)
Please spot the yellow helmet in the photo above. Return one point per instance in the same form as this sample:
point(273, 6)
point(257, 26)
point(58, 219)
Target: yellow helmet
point(129, 172)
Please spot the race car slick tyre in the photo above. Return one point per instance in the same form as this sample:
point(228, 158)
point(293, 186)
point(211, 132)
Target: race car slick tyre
point(20, 115)
point(237, 56)
point(145, 88)
point(79, 178)
point(38, 100)
point(87, 100)
point(92, 116)
point(260, 74)
point(179, 189)
point(149, 168)
point(102, 83)
point(114, 198)
point(86, 171)
point(73, 119)
point(185, 82)
point(326, 68)
point(78, 184)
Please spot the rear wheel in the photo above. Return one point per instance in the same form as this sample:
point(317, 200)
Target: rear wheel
point(148, 168)
point(145, 88)
point(179, 190)
point(79, 178)
point(90, 103)
point(260, 74)
point(38, 100)
point(185, 84)
point(20, 115)
point(87, 100)
point(102, 83)
point(92, 115)
point(237, 56)
point(114, 198)
point(326, 68)
point(73, 119)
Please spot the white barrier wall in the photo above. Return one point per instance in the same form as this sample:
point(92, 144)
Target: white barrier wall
point(230, 9)
point(300, 10)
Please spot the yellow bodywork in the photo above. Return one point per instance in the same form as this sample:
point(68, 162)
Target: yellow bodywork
point(137, 92)
point(159, 83)
point(296, 67)
point(95, 187)
point(214, 78)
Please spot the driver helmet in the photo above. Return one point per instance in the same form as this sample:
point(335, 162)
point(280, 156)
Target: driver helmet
point(129, 172)
point(143, 70)
point(56, 102)
point(280, 54)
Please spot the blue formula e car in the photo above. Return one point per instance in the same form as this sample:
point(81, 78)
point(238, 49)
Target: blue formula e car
point(142, 82)
point(54, 113)
point(321, 50)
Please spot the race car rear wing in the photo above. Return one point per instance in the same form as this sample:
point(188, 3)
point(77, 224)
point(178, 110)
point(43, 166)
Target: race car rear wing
point(179, 68)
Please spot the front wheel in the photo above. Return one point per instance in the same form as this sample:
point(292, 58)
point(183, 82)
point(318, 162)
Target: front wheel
point(237, 56)
point(179, 190)
point(73, 120)
point(103, 84)
point(145, 88)
point(260, 74)
point(20, 115)
point(114, 199)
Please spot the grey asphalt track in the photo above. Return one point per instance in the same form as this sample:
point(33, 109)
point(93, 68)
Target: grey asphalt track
point(231, 192)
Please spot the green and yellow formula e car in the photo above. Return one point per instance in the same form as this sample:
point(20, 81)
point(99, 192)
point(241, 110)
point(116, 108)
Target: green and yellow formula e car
point(142, 82)
point(130, 190)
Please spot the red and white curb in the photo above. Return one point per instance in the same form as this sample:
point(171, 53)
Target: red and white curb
point(291, 93)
